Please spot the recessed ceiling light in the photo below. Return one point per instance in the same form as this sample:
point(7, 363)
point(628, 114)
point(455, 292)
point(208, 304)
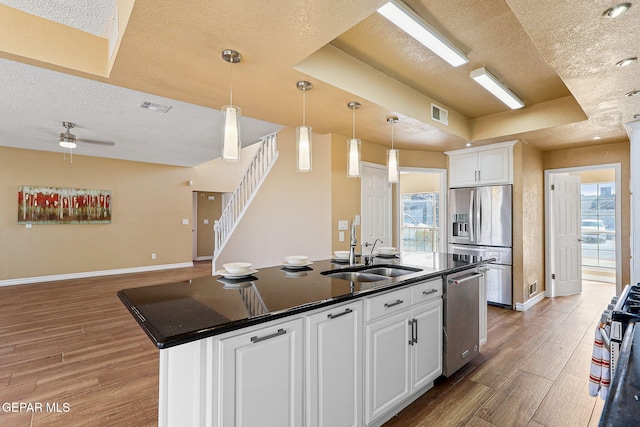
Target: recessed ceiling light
point(596, 137)
point(411, 23)
point(633, 93)
point(468, 144)
point(627, 61)
point(616, 10)
point(635, 116)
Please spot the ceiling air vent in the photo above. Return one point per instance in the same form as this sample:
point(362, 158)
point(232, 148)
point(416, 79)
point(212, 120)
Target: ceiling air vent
point(439, 114)
point(155, 107)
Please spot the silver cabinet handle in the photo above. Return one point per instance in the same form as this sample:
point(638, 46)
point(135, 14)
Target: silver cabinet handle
point(266, 337)
point(333, 316)
point(432, 291)
point(415, 331)
point(391, 304)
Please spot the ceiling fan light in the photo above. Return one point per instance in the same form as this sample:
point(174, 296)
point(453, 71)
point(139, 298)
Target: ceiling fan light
point(67, 140)
point(487, 80)
point(627, 61)
point(411, 23)
point(616, 10)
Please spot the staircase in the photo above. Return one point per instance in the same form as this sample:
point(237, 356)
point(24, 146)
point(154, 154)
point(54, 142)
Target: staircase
point(241, 198)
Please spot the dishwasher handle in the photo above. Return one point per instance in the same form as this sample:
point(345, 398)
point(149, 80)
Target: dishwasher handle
point(464, 279)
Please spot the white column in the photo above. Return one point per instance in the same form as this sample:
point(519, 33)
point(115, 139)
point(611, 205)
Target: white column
point(633, 130)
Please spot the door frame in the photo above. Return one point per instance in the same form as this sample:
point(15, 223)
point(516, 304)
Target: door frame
point(549, 238)
point(442, 216)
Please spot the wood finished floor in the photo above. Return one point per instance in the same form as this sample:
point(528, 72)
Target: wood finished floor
point(74, 343)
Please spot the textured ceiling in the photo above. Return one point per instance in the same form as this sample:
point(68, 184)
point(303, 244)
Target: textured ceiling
point(557, 56)
point(91, 16)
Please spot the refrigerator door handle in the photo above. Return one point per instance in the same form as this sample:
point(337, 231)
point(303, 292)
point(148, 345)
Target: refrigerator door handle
point(471, 216)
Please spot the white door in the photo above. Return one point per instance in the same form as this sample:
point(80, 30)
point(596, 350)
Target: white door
point(376, 206)
point(566, 236)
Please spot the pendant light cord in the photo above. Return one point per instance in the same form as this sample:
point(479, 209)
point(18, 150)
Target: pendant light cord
point(304, 108)
point(353, 124)
point(231, 83)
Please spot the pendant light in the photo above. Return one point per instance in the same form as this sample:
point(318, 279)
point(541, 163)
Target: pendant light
point(231, 130)
point(353, 145)
point(303, 133)
point(393, 157)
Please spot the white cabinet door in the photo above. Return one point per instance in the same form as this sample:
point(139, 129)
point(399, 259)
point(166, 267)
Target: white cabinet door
point(261, 377)
point(481, 166)
point(463, 169)
point(387, 364)
point(493, 166)
point(334, 367)
point(427, 347)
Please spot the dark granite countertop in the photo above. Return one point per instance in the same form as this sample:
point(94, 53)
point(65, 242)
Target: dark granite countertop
point(622, 405)
point(177, 313)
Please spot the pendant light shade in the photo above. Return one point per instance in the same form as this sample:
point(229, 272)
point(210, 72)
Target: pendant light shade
point(353, 146)
point(303, 133)
point(231, 134)
point(231, 147)
point(393, 167)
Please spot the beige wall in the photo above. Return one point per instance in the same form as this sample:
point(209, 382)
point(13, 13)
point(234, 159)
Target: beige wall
point(149, 203)
point(290, 214)
point(528, 221)
point(600, 155)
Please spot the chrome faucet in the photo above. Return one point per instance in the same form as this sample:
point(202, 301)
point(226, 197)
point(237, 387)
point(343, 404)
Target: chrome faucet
point(352, 245)
point(368, 260)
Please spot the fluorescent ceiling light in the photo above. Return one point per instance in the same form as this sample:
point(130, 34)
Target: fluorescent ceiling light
point(412, 24)
point(493, 85)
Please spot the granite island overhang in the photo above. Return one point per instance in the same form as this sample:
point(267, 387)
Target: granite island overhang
point(177, 313)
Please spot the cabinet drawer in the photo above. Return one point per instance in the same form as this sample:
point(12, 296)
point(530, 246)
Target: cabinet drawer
point(426, 291)
point(388, 303)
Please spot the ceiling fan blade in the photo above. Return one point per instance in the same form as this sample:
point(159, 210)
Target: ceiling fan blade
point(95, 141)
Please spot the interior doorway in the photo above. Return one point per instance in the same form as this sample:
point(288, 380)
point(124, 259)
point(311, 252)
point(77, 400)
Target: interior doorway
point(421, 209)
point(207, 208)
point(596, 230)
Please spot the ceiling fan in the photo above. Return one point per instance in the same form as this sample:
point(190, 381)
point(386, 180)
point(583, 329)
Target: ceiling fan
point(69, 140)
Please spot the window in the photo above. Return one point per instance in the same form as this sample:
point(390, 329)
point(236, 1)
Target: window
point(420, 225)
point(598, 225)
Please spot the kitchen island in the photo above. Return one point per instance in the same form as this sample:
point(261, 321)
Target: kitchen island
point(297, 347)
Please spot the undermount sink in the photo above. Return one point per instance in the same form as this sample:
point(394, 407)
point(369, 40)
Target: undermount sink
point(356, 276)
point(374, 273)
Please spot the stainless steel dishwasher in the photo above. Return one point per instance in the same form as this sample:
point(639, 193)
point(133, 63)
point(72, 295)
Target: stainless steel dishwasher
point(461, 298)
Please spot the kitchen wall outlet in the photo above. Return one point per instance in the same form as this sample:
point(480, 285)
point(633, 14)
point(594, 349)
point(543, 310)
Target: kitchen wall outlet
point(357, 219)
point(185, 222)
point(343, 224)
point(153, 256)
point(29, 225)
point(206, 221)
point(211, 197)
point(341, 236)
point(533, 287)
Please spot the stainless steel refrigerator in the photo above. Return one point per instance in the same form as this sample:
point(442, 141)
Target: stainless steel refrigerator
point(480, 224)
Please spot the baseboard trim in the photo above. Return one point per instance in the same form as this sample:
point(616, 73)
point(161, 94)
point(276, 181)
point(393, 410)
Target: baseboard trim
point(530, 303)
point(85, 274)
